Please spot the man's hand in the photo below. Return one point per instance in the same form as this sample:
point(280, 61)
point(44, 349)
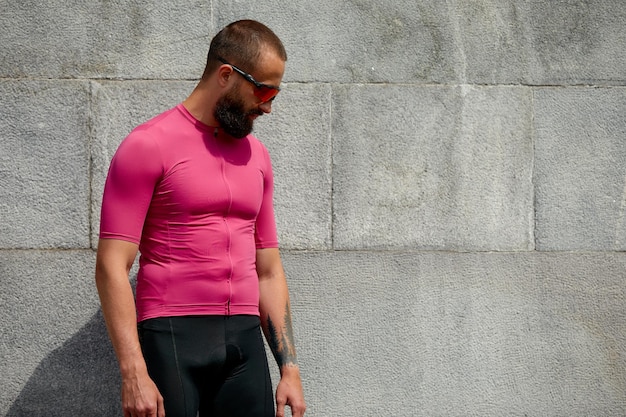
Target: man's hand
point(289, 392)
point(141, 397)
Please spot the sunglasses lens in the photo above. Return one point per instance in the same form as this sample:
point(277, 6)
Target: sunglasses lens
point(265, 93)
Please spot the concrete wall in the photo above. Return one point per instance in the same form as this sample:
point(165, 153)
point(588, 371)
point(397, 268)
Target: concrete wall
point(451, 196)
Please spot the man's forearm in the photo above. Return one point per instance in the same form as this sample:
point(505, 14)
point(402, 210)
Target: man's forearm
point(280, 338)
point(275, 308)
point(118, 308)
point(113, 263)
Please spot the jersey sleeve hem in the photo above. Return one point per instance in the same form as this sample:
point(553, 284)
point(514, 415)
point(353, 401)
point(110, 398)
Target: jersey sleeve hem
point(266, 245)
point(127, 238)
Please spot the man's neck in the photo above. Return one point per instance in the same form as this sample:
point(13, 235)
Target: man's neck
point(201, 104)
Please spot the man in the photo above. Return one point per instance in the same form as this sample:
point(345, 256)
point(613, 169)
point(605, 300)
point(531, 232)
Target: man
point(191, 190)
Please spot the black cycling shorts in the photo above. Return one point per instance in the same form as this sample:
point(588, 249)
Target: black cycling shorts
point(208, 366)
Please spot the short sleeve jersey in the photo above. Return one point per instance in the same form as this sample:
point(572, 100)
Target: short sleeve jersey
point(198, 206)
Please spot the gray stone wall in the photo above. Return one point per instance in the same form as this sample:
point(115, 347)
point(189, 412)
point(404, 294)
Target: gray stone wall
point(451, 196)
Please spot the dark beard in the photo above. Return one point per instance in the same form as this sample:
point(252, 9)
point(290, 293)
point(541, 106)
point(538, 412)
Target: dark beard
point(232, 117)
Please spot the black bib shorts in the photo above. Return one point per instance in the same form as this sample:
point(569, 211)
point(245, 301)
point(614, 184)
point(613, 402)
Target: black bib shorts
point(208, 366)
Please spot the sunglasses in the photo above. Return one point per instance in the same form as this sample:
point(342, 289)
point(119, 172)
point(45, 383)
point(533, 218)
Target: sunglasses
point(264, 92)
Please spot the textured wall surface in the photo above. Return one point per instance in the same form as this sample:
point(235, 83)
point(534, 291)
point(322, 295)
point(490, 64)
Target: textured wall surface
point(450, 196)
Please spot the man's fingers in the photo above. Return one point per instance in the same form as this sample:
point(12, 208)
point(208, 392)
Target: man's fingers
point(298, 411)
point(280, 408)
point(160, 407)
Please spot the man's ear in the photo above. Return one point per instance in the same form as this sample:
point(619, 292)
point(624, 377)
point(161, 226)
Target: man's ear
point(223, 74)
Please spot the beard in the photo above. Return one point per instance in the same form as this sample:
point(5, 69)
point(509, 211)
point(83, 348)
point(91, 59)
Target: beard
point(231, 114)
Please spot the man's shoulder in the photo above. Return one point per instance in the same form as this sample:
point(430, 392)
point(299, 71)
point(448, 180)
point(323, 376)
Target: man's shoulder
point(157, 129)
point(160, 121)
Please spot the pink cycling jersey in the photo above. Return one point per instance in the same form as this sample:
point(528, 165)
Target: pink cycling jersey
point(198, 206)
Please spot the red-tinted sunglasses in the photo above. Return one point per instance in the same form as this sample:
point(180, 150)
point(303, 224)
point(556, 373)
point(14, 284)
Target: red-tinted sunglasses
point(264, 92)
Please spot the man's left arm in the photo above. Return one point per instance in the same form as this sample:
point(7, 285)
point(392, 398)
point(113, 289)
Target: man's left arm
point(276, 322)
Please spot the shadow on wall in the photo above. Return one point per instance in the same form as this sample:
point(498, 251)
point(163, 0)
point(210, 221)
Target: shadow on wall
point(80, 378)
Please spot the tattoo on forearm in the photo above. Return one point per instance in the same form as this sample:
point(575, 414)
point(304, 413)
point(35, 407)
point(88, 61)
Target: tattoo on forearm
point(281, 340)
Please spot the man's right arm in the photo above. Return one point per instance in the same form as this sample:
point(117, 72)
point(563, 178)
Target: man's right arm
point(140, 396)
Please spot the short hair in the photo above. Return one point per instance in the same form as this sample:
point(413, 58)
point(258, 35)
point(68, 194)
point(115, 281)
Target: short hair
point(241, 43)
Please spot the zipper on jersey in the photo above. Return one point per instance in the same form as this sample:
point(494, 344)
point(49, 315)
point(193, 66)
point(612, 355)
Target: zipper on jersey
point(230, 259)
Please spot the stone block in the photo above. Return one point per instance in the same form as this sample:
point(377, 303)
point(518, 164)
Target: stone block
point(537, 42)
point(460, 334)
point(575, 42)
point(580, 170)
point(44, 164)
point(445, 168)
point(111, 39)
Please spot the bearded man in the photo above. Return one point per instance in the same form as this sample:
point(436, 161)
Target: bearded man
point(191, 190)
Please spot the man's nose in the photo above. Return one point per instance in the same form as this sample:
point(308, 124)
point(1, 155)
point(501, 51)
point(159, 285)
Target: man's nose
point(266, 107)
